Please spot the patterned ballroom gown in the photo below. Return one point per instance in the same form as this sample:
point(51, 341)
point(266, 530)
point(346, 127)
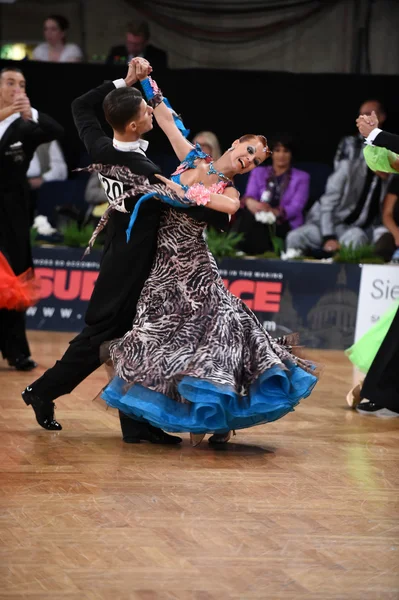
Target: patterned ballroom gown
point(197, 359)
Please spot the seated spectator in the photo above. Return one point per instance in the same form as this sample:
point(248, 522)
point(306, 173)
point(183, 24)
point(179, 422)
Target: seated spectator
point(278, 188)
point(47, 164)
point(55, 48)
point(137, 44)
point(348, 213)
point(388, 244)
point(96, 199)
point(209, 143)
point(351, 146)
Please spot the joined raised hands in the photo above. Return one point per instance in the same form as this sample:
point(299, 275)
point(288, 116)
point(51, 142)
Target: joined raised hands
point(143, 68)
point(138, 69)
point(366, 123)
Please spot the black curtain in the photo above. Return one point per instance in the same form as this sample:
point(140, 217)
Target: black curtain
point(316, 109)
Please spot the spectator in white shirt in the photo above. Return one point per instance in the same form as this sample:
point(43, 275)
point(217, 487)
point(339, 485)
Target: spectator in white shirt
point(55, 48)
point(47, 164)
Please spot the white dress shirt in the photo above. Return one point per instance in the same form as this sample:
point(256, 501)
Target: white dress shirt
point(58, 170)
point(5, 123)
point(371, 136)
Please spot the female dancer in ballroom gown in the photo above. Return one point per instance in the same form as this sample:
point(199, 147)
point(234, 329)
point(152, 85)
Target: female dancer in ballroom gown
point(197, 359)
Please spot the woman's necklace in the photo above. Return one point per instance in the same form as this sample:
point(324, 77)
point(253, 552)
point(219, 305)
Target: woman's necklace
point(213, 171)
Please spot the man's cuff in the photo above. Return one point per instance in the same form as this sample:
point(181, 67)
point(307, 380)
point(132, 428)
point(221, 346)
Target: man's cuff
point(118, 83)
point(326, 238)
point(371, 136)
point(35, 115)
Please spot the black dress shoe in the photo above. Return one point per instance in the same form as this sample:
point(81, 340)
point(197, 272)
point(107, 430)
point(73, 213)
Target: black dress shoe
point(153, 435)
point(44, 411)
point(24, 363)
point(370, 408)
point(133, 432)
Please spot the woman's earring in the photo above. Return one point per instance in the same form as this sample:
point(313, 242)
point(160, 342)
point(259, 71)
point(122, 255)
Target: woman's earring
point(230, 149)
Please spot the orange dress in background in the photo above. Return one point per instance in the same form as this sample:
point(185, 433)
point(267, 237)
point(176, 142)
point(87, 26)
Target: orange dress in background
point(17, 292)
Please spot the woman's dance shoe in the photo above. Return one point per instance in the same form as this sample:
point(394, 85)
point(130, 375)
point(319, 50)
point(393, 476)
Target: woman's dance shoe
point(196, 438)
point(353, 397)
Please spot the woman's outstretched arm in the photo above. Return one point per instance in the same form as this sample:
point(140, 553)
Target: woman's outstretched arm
point(165, 116)
point(228, 202)
point(165, 120)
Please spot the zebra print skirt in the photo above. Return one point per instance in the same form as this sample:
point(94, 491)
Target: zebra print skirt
point(197, 359)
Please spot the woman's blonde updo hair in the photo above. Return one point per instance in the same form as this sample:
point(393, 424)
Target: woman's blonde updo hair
point(210, 139)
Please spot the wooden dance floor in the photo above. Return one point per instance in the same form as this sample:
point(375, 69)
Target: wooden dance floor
point(305, 508)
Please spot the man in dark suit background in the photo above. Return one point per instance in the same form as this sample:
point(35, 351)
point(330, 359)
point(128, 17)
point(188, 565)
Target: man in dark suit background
point(137, 45)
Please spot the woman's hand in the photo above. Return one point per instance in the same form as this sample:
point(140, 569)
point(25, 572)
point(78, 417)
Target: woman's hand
point(253, 205)
point(143, 68)
point(172, 185)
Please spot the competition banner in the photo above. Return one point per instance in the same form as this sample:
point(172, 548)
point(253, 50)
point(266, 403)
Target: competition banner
point(317, 300)
point(379, 290)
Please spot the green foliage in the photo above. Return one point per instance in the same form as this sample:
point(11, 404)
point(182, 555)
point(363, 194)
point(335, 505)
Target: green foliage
point(33, 236)
point(278, 245)
point(268, 255)
point(360, 255)
point(223, 245)
point(75, 236)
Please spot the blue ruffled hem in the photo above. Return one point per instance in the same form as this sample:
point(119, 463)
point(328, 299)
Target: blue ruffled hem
point(213, 408)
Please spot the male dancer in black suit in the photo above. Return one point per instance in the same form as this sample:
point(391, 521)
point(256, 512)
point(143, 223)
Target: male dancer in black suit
point(22, 130)
point(380, 390)
point(125, 266)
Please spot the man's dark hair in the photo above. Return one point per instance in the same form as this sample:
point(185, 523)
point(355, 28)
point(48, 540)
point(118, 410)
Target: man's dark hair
point(121, 106)
point(283, 139)
point(377, 101)
point(139, 29)
point(13, 69)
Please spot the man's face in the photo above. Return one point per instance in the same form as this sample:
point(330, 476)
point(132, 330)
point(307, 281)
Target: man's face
point(144, 120)
point(368, 107)
point(12, 84)
point(135, 44)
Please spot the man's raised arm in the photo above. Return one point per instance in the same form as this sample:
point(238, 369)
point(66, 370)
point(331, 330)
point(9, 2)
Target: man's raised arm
point(84, 111)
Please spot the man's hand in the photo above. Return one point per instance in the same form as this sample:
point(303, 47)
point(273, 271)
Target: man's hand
point(22, 105)
point(131, 77)
point(253, 205)
point(331, 246)
point(35, 182)
point(366, 123)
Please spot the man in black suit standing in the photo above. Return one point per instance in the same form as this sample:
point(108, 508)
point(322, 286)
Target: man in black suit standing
point(22, 130)
point(137, 45)
point(379, 394)
point(125, 266)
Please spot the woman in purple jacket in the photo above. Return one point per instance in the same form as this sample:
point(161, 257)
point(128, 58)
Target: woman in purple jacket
point(279, 189)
